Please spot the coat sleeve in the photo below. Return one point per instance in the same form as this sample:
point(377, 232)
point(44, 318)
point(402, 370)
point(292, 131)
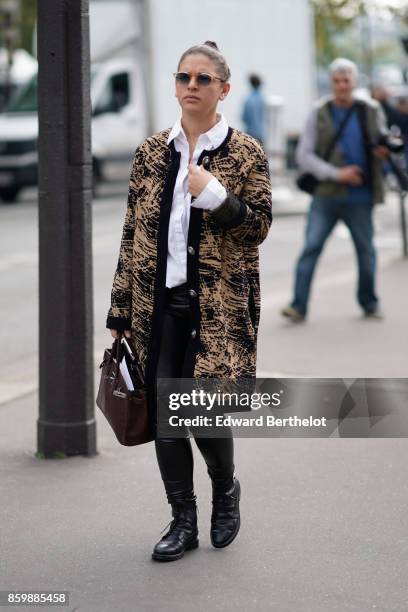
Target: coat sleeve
point(248, 218)
point(119, 314)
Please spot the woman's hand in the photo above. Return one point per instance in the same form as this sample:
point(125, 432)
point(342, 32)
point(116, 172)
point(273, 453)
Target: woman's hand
point(117, 334)
point(198, 179)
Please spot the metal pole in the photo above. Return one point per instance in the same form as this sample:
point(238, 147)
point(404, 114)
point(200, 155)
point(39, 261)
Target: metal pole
point(403, 218)
point(66, 424)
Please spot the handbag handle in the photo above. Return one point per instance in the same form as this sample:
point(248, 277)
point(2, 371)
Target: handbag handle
point(118, 352)
point(127, 343)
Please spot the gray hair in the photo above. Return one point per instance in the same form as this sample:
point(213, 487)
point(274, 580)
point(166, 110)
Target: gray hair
point(341, 64)
point(210, 50)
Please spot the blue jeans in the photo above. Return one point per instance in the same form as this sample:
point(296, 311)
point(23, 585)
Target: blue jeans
point(323, 216)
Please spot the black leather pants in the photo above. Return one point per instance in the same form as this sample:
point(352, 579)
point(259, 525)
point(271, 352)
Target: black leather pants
point(174, 455)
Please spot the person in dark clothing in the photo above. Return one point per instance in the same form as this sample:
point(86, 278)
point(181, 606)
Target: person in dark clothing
point(396, 115)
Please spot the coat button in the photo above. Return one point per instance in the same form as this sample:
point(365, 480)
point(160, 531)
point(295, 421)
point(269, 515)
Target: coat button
point(206, 162)
point(191, 250)
point(192, 293)
point(193, 333)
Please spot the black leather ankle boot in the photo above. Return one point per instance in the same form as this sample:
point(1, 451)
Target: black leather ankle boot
point(225, 518)
point(183, 532)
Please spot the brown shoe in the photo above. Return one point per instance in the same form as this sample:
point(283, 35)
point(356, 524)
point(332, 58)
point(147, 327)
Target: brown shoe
point(292, 314)
point(374, 314)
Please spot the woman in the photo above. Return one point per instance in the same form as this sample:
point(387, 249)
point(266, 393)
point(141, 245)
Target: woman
point(186, 287)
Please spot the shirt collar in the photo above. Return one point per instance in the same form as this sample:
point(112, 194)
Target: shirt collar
point(215, 136)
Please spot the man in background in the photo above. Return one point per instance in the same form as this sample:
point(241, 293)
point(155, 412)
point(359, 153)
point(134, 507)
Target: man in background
point(350, 183)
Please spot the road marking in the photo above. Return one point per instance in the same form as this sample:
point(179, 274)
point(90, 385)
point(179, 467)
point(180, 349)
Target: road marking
point(21, 378)
point(102, 245)
point(12, 391)
point(16, 259)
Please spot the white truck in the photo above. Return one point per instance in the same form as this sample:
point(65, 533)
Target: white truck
point(12, 78)
point(135, 46)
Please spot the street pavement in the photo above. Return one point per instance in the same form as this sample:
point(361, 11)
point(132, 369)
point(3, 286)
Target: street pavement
point(324, 521)
point(324, 526)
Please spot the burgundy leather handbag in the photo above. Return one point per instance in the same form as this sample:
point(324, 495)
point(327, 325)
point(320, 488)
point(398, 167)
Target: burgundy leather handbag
point(126, 410)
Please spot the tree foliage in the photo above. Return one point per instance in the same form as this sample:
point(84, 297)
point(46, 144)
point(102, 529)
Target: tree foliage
point(331, 17)
point(335, 17)
point(28, 17)
point(23, 23)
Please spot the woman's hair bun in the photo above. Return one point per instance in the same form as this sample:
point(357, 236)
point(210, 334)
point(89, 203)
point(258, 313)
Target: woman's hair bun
point(211, 50)
point(211, 43)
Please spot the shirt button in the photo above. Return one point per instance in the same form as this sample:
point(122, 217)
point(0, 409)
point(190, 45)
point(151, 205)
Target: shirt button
point(193, 333)
point(191, 250)
point(192, 293)
point(206, 162)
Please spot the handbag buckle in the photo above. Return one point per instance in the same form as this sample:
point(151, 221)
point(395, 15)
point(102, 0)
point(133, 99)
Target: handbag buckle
point(119, 393)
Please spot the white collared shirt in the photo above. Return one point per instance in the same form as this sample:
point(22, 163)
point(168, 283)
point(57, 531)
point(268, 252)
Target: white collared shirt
point(211, 196)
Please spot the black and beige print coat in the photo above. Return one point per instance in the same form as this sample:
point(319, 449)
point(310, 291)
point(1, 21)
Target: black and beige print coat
point(222, 257)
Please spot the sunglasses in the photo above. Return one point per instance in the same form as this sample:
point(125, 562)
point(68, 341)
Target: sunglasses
point(202, 78)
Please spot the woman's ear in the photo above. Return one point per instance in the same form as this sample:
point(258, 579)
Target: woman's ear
point(225, 89)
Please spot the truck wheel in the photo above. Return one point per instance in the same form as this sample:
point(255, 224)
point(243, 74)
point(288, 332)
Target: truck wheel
point(9, 194)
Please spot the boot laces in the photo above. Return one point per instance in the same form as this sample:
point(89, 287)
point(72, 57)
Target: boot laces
point(179, 522)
